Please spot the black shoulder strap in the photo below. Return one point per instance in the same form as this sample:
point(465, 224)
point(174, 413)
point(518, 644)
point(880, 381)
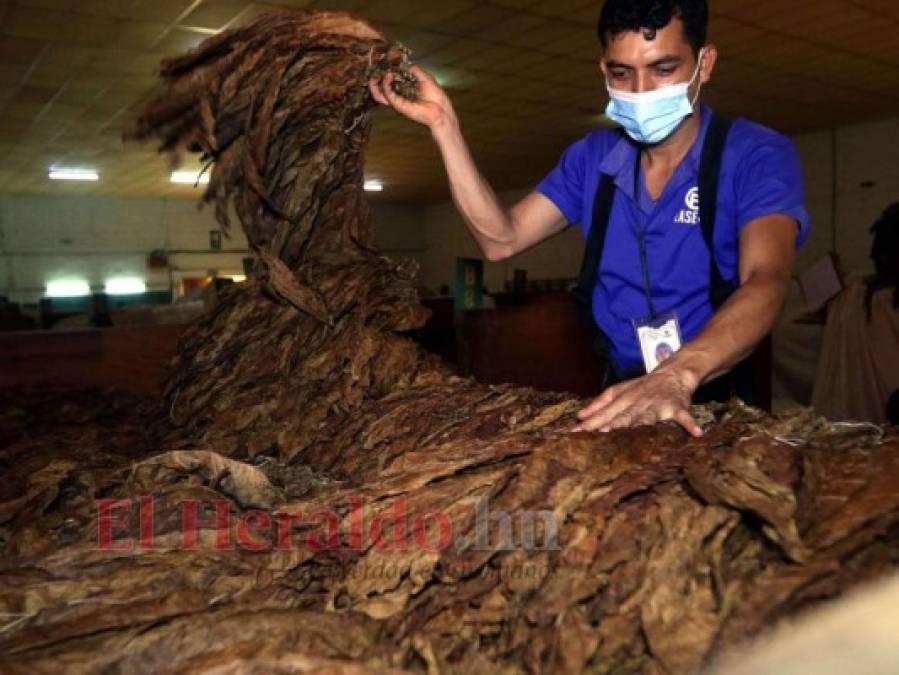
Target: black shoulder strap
point(709, 174)
point(599, 224)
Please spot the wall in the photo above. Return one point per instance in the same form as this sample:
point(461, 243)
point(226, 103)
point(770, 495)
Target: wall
point(816, 152)
point(851, 176)
point(95, 238)
point(446, 237)
point(400, 230)
point(866, 153)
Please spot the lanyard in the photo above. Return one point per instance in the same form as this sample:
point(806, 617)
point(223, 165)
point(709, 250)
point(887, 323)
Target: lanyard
point(641, 240)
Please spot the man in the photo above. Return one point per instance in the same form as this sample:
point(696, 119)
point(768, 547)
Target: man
point(654, 281)
point(858, 365)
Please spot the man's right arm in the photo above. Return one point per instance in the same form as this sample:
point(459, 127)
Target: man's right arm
point(499, 233)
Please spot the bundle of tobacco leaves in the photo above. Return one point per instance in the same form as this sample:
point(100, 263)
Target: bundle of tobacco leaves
point(313, 493)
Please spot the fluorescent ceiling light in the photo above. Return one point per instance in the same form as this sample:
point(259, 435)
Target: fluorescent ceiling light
point(125, 286)
point(189, 178)
point(73, 174)
point(236, 278)
point(68, 288)
point(200, 29)
point(452, 78)
point(373, 186)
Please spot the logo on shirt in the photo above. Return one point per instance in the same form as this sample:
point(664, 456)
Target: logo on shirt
point(690, 215)
point(692, 199)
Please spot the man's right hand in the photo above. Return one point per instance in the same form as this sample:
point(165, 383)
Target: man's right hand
point(433, 107)
point(499, 233)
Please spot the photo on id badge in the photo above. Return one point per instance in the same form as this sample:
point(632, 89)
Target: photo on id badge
point(659, 339)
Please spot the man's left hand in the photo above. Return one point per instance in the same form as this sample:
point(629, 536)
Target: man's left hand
point(664, 394)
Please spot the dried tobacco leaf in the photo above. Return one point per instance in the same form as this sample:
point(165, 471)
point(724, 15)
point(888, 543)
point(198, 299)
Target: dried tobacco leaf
point(298, 412)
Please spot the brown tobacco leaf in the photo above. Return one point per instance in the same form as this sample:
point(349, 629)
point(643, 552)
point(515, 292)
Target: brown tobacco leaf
point(382, 514)
point(247, 484)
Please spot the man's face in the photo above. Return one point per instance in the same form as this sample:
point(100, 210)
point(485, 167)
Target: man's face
point(633, 63)
point(664, 352)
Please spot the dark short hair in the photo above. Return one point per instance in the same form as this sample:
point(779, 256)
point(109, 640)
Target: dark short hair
point(893, 409)
point(885, 247)
point(884, 255)
point(649, 16)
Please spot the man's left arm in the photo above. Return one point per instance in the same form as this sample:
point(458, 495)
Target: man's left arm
point(767, 252)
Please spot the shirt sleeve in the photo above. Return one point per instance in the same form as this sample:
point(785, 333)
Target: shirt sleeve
point(769, 181)
point(564, 185)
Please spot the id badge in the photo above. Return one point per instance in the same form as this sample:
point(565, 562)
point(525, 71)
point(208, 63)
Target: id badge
point(659, 339)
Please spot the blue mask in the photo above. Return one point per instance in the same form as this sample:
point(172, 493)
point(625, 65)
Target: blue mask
point(650, 117)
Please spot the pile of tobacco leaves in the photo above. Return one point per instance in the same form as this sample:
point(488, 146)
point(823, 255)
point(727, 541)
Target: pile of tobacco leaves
point(313, 492)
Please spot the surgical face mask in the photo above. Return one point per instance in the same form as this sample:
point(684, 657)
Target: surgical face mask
point(650, 117)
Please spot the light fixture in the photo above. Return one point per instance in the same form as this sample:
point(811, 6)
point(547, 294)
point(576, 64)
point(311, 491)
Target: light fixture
point(373, 186)
point(73, 174)
point(68, 288)
point(189, 178)
point(236, 278)
point(452, 78)
point(125, 286)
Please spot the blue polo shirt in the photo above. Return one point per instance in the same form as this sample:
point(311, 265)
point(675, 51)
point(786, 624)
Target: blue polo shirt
point(760, 176)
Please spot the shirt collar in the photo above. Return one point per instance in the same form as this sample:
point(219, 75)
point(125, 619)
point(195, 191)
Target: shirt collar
point(619, 161)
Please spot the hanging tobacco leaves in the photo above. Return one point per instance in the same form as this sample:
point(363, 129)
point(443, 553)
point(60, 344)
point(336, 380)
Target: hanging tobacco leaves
point(313, 493)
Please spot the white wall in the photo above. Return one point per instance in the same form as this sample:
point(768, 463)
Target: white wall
point(852, 175)
point(866, 153)
point(95, 238)
point(400, 229)
point(816, 152)
point(447, 237)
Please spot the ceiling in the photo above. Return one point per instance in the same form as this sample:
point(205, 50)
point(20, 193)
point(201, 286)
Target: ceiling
point(521, 73)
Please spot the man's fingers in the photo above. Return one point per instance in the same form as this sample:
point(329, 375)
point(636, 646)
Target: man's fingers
point(387, 88)
point(597, 403)
point(685, 419)
point(391, 95)
point(602, 419)
point(647, 417)
point(589, 424)
point(374, 88)
point(621, 421)
point(635, 416)
point(421, 74)
point(396, 101)
point(624, 401)
point(378, 91)
point(667, 412)
point(387, 97)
